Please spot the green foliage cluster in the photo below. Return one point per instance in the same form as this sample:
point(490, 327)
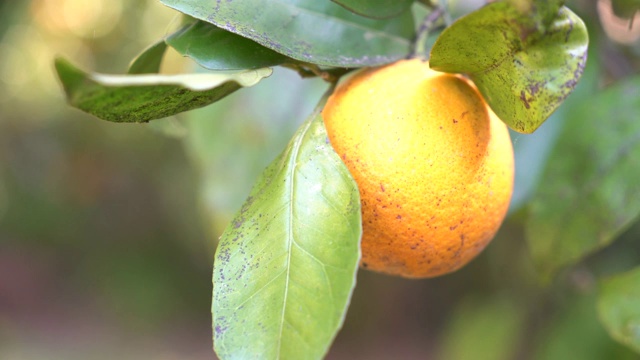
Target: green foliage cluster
point(286, 266)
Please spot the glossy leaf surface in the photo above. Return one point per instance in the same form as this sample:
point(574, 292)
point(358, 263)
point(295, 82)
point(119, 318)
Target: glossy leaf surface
point(319, 32)
point(217, 49)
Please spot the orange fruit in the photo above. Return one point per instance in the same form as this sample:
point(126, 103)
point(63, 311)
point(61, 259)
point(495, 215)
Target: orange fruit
point(433, 164)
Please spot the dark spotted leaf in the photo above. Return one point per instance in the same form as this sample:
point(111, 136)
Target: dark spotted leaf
point(523, 69)
point(285, 267)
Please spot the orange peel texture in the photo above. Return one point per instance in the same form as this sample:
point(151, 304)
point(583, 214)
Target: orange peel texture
point(434, 166)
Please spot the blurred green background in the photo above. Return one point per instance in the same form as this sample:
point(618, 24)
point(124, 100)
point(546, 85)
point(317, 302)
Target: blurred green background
point(107, 231)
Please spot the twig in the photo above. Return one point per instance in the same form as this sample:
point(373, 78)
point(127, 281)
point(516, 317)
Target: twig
point(425, 28)
point(306, 70)
point(446, 16)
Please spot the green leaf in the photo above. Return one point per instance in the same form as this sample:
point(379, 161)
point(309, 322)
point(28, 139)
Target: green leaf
point(140, 98)
point(319, 32)
point(588, 193)
point(524, 72)
point(376, 9)
point(619, 307)
point(149, 60)
point(285, 267)
point(217, 49)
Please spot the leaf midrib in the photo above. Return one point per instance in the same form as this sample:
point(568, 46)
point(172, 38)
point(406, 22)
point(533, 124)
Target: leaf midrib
point(291, 174)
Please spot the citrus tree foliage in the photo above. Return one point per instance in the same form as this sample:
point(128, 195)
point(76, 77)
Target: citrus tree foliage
point(285, 267)
point(588, 199)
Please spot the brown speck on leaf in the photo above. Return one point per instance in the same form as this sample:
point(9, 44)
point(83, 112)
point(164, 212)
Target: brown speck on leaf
point(453, 227)
point(524, 99)
point(464, 113)
point(399, 217)
point(455, 121)
point(382, 187)
point(534, 88)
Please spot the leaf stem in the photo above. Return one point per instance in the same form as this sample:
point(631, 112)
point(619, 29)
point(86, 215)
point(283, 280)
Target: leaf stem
point(446, 16)
point(306, 70)
point(429, 22)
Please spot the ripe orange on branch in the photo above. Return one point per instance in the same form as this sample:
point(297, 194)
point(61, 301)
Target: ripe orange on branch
point(433, 164)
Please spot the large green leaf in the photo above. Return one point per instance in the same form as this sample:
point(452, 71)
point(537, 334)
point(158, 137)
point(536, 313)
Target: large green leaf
point(285, 266)
point(376, 9)
point(589, 192)
point(217, 49)
point(319, 32)
point(524, 70)
point(140, 98)
point(619, 307)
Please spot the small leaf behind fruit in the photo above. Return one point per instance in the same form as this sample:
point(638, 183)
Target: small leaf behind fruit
point(524, 70)
point(619, 307)
point(140, 98)
point(585, 197)
point(319, 32)
point(217, 49)
point(285, 267)
point(376, 9)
